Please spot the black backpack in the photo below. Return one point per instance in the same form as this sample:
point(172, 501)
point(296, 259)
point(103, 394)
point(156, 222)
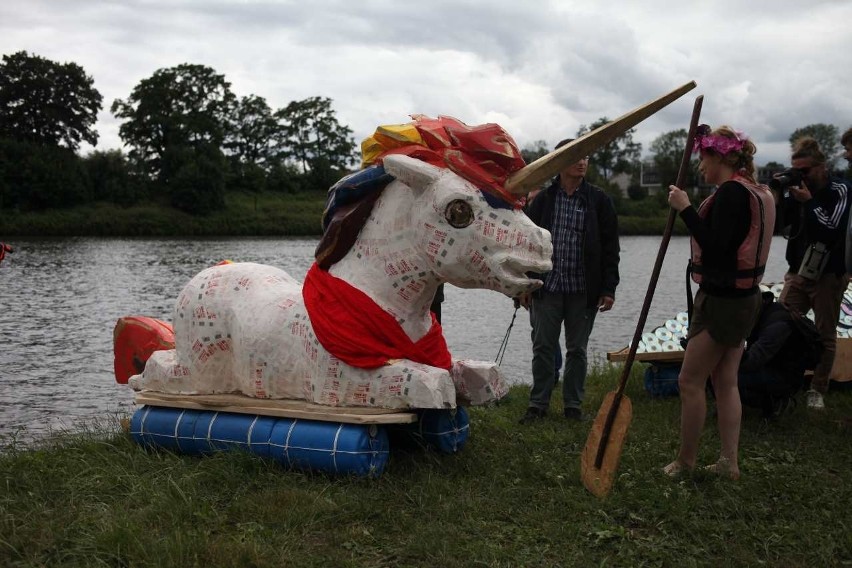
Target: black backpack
point(811, 341)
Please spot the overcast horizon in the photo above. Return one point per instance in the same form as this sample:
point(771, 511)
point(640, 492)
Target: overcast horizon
point(539, 69)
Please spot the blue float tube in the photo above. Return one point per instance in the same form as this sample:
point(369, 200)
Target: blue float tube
point(444, 430)
point(307, 445)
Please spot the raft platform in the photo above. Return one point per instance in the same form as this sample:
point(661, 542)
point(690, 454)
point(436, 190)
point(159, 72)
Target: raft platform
point(841, 371)
point(297, 434)
point(279, 408)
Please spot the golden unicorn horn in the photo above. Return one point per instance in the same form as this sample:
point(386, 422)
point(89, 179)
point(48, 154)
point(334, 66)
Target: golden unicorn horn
point(533, 175)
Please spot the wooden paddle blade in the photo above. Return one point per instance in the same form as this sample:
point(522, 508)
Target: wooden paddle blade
point(533, 175)
point(599, 480)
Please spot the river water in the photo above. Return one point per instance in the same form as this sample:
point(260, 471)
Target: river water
point(60, 299)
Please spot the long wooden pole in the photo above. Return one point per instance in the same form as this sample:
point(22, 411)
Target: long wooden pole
point(652, 286)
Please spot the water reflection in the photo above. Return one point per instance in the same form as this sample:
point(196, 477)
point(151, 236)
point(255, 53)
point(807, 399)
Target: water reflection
point(60, 298)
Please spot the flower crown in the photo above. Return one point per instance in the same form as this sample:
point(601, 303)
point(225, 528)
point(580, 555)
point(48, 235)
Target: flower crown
point(716, 142)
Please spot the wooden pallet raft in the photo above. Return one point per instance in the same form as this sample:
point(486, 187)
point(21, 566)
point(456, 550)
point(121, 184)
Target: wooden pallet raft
point(278, 408)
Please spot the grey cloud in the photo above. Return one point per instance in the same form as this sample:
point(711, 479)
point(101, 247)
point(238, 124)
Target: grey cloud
point(546, 66)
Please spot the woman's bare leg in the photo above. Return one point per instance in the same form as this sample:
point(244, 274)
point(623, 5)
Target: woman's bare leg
point(729, 409)
point(701, 358)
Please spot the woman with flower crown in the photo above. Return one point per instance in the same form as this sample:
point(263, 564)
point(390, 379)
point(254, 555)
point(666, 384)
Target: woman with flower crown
point(730, 236)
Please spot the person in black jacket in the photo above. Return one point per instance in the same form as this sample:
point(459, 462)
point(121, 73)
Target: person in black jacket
point(583, 225)
point(817, 212)
point(781, 347)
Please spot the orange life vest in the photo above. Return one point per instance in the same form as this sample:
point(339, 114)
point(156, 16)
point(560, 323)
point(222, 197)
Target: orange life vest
point(754, 250)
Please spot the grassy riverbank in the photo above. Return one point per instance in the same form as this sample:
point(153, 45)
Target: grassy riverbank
point(512, 497)
point(262, 214)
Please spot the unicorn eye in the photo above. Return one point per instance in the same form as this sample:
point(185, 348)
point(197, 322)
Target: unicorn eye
point(459, 213)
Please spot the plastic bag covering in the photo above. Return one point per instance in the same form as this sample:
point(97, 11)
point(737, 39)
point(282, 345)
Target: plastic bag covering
point(387, 138)
point(305, 445)
point(134, 339)
point(446, 431)
point(485, 155)
point(243, 328)
point(478, 382)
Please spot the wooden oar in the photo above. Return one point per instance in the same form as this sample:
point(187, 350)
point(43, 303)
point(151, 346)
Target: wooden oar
point(599, 460)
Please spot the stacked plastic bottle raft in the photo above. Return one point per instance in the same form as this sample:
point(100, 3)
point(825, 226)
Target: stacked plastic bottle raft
point(667, 336)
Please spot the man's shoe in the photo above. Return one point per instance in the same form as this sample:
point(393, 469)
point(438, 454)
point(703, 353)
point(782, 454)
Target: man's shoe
point(575, 414)
point(815, 401)
point(533, 414)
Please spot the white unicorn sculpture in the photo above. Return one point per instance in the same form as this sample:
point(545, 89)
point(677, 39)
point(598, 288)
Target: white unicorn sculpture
point(244, 327)
point(252, 329)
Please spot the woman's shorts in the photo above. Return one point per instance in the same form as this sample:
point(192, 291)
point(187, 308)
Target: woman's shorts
point(728, 320)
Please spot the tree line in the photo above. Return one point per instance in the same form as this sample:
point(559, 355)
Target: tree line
point(623, 156)
point(190, 138)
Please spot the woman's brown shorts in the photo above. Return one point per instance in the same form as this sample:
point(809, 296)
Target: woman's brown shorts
point(728, 320)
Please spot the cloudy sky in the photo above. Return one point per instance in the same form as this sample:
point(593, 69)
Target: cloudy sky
point(538, 68)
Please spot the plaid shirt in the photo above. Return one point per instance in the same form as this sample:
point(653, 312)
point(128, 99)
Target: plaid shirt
point(569, 226)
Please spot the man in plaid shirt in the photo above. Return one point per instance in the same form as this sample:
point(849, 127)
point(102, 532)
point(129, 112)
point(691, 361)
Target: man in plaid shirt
point(583, 225)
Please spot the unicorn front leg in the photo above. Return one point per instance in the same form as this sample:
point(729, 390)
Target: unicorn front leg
point(478, 382)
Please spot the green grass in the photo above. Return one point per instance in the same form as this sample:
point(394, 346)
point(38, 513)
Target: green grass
point(512, 497)
point(263, 214)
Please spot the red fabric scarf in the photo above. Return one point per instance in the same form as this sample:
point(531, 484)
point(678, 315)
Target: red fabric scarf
point(353, 328)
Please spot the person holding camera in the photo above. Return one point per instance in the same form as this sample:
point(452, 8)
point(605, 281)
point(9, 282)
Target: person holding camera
point(846, 142)
point(731, 233)
point(815, 207)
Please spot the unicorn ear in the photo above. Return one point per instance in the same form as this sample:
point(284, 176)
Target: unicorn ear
point(414, 173)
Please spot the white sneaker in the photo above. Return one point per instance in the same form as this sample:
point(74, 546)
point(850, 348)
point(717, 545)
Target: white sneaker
point(815, 401)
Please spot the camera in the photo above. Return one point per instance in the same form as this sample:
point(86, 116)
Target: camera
point(785, 179)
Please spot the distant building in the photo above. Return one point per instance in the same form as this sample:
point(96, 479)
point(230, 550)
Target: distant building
point(649, 176)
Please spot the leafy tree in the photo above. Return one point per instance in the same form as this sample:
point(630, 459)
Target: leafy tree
point(315, 141)
point(284, 178)
point(614, 193)
point(535, 150)
point(826, 135)
point(34, 177)
point(667, 153)
point(245, 176)
point(46, 102)
point(184, 106)
point(253, 133)
point(196, 177)
point(111, 178)
point(618, 156)
point(636, 192)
